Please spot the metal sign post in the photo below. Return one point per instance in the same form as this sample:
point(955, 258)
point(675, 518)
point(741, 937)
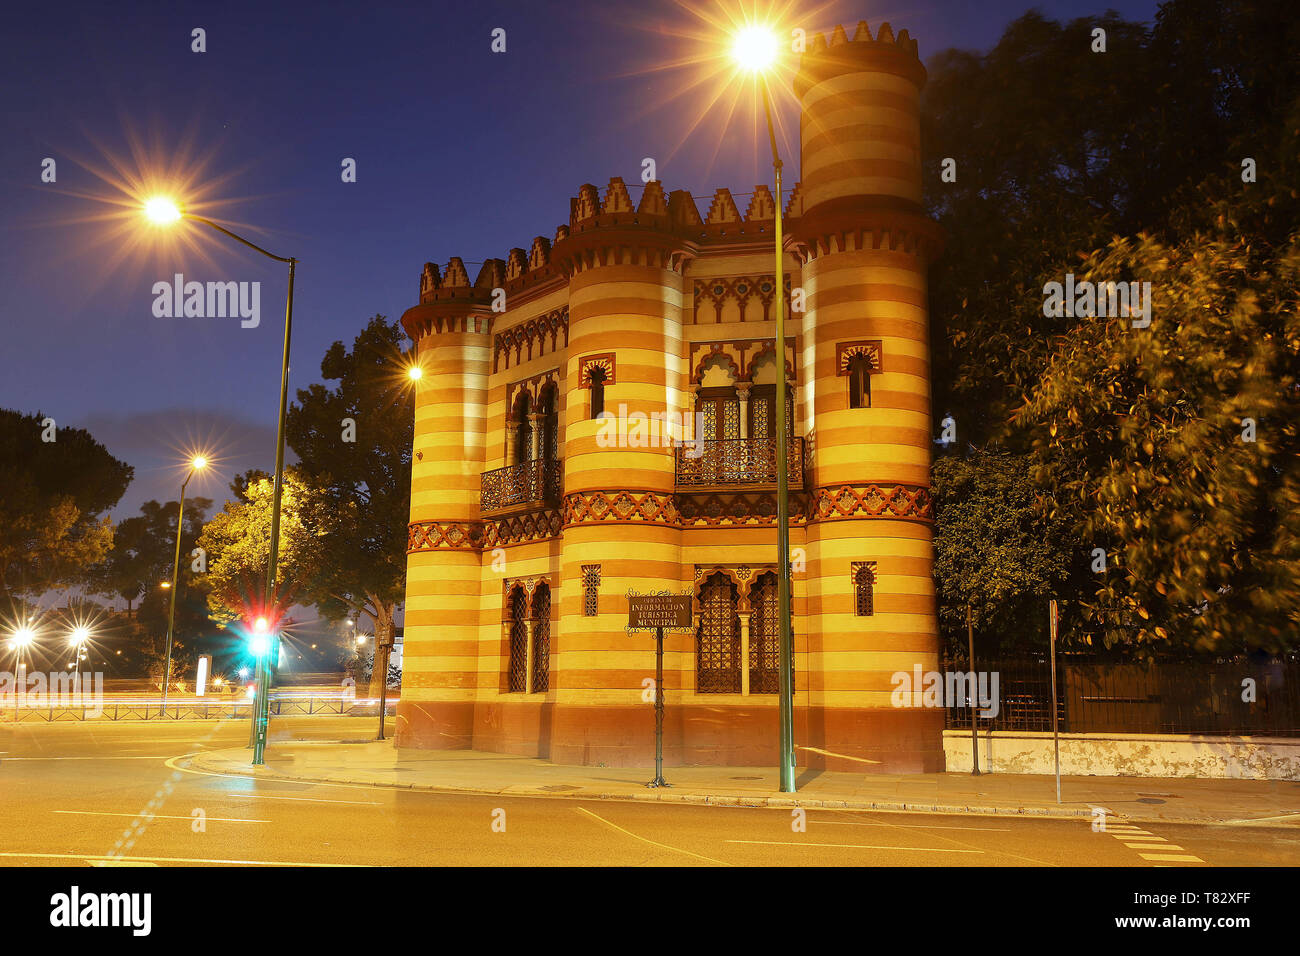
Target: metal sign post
point(1056, 740)
point(974, 714)
point(656, 612)
point(659, 780)
point(383, 644)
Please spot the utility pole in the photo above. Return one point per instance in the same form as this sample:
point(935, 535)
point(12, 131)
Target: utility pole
point(974, 714)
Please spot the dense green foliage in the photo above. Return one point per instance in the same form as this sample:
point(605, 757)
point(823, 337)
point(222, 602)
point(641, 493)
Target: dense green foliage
point(1126, 165)
point(53, 499)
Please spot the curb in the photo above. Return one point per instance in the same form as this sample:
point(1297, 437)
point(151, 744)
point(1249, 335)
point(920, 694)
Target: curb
point(659, 796)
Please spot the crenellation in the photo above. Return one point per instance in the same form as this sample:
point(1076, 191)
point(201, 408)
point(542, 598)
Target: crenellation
point(722, 209)
point(761, 206)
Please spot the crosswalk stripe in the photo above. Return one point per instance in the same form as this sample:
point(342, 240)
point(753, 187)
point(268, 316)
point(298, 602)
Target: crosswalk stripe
point(1152, 846)
point(1173, 857)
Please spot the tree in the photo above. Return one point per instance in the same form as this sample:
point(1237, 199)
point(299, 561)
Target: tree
point(237, 541)
point(363, 472)
point(53, 495)
point(1060, 149)
point(997, 549)
point(142, 557)
point(144, 546)
point(1130, 430)
point(1175, 447)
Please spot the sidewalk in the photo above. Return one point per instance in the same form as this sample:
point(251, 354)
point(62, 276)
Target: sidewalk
point(1144, 799)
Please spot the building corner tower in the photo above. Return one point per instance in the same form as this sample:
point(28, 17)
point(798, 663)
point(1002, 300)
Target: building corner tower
point(865, 246)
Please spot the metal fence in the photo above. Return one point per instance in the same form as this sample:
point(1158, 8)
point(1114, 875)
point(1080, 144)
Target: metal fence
point(1228, 698)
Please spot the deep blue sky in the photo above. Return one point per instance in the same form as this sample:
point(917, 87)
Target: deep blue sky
point(460, 151)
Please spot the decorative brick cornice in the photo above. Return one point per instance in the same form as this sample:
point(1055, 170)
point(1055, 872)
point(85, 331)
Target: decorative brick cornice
point(900, 501)
point(546, 333)
point(452, 535)
point(620, 506)
point(519, 529)
point(737, 509)
point(866, 222)
point(714, 292)
point(483, 535)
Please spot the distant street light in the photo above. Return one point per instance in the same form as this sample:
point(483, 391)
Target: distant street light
point(198, 463)
point(166, 211)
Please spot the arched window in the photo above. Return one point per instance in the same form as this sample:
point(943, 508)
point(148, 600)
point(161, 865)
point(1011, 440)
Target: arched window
point(717, 641)
point(864, 588)
point(523, 429)
point(597, 375)
point(717, 403)
point(548, 405)
point(764, 637)
point(860, 381)
point(541, 639)
point(517, 605)
point(762, 401)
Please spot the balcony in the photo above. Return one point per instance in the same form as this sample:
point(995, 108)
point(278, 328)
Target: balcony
point(522, 487)
point(737, 462)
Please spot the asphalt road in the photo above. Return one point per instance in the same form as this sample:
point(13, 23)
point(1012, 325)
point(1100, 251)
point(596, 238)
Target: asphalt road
point(100, 792)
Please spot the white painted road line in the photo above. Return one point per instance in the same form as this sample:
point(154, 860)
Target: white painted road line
point(156, 816)
point(662, 846)
point(117, 860)
point(157, 757)
point(270, 796)
point(906, 826)
point(854, 846)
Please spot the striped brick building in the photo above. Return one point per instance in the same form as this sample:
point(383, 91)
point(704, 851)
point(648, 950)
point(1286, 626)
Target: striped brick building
point(550, 475)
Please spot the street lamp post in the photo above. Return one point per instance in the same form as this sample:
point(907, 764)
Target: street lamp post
point(755, 50)
point(164, 211)
point(196, 464)
point(77, 641)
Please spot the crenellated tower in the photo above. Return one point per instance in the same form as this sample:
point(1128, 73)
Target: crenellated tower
point(550, 474)
point(865, 246)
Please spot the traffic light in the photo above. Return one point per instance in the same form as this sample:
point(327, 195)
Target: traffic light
point(259, 642)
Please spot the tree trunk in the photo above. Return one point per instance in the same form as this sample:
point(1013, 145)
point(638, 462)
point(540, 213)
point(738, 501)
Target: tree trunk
point(383, 639)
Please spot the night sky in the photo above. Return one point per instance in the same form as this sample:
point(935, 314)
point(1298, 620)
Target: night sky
point(459, 151)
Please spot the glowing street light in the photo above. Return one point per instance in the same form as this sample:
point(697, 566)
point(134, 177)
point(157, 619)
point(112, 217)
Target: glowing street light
point(755, 50)
point(162, 210)
point(197, 463)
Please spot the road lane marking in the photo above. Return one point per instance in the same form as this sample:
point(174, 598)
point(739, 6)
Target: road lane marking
point(906, 826)
point(855, 846)
point(663, 846)
point(1153, 846)
point(114, 860)
point(157, 816)
point(155, 757)
point(970, 846)
point(1135, 838)
point(272, 796)
point(94, 862)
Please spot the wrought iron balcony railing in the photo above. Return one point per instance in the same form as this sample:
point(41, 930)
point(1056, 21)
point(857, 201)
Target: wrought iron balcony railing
point(737, 461)
point(529, 483)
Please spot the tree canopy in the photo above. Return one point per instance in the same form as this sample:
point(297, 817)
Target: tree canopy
point(1171, 159)
point(53, 497)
